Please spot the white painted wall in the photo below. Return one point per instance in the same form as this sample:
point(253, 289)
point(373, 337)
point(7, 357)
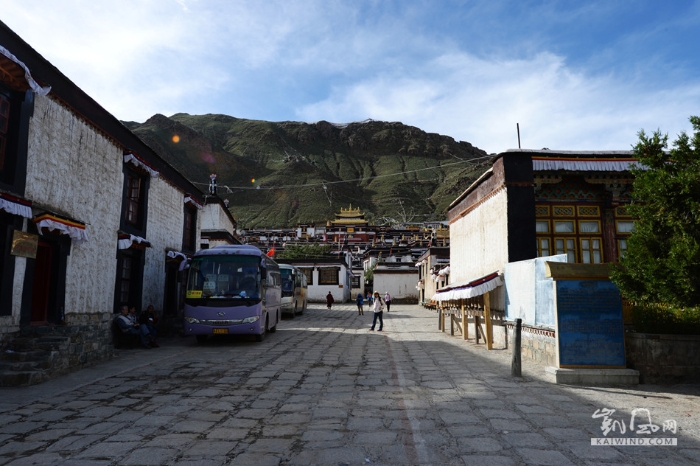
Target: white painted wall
point(74, 170)
point(399, 285)
point(479, 240)
point(214, 218)
point(166, 217)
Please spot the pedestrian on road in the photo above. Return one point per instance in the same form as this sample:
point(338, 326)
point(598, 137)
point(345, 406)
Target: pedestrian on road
point(329, 300)
point(360, 303)
point(378, 312)
point(387, 300)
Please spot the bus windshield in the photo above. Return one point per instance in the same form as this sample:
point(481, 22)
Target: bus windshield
point(287, 282)
point(224, 276)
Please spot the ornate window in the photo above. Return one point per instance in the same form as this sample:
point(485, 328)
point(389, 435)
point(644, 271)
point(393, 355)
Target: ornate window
point(328, 276)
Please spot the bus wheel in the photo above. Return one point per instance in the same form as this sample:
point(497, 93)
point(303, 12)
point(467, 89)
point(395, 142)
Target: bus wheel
point(261, 336)
point(201, 338)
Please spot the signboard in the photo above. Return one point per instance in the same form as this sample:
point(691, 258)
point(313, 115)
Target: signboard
point(590, 332)
point(24, 244)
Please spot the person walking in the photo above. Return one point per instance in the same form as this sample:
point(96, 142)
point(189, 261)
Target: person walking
point(378, 312)
point(360, 303)
point(387, 300)
point(329, 300)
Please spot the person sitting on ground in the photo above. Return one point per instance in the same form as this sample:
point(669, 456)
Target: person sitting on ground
point(127, 326)
point(150, 320)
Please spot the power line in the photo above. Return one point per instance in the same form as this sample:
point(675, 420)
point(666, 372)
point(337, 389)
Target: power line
point(326, 183)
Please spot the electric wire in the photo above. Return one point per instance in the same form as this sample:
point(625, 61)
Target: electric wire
point(324, 184)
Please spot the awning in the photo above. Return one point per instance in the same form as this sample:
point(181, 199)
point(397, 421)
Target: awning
point(72, 228)
point(15, 205)
point(584, 164)
point(126, 241)
point(27, 75)
point(137, 161)
point(176, 255)
point(190, 200)
point(468, 290)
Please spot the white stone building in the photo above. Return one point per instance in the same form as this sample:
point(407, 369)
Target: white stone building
point(90, 217)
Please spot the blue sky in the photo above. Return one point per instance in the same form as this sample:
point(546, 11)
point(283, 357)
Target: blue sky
point(574, 74)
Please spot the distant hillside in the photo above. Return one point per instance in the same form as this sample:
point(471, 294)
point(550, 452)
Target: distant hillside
point(391, 165)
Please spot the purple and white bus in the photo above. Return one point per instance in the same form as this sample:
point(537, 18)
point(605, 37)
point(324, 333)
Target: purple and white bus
point(232, 289)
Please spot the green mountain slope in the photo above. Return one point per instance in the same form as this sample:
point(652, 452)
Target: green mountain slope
point(278, 174)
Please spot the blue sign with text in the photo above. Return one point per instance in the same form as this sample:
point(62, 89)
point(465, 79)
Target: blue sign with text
point(589, 324)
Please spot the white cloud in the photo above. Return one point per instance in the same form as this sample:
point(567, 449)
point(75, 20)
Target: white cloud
point(481, 101)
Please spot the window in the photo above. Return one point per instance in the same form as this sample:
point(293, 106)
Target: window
point(328, 276)
point(589, 227)
point(625, 226)
point(125, 282)
point(566, 246)
point(133, 195)
point(575, 231)
point(135, 202)
point(543, 247)
point(4, 128)
point(622, 247)
point(12, 150)
point(591, 251)
point(309, 275)
point(564, 227)
point(189, 229)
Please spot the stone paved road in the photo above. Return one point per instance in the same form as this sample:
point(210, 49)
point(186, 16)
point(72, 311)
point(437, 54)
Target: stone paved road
point(324, 390)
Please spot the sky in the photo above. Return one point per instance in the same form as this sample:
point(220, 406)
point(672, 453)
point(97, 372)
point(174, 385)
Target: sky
point(574, 75)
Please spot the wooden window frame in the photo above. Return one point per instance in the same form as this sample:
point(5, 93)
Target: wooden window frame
point(323, 280)
point(591, 249)
point(189, 229)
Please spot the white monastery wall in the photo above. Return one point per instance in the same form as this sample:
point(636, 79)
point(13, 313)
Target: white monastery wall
point(74, 170)
point(479, 240)
point(166, 218)
point(214, 218)
point(401, 286)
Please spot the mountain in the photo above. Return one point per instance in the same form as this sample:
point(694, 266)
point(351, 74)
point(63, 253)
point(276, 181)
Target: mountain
point(279, 174)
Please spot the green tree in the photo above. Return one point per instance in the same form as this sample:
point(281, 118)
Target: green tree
point(305, 251)
point(662, 263)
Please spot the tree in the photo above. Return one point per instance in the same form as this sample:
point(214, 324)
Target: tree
point(305, 251)
point(662, 262)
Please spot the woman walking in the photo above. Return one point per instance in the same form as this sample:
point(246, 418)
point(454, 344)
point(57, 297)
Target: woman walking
point(360, 303)
point(378, 312)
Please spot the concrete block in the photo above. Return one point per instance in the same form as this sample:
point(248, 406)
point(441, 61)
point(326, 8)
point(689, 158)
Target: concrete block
point(592, 377)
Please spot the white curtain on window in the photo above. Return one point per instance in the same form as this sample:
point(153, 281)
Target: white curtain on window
point(564, 227)
point(589, 227)
point(625, 227)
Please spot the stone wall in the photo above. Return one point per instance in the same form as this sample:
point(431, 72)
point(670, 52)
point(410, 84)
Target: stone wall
point(74, 170)
point(538, 344)
point(663, 359)
point(166, 217)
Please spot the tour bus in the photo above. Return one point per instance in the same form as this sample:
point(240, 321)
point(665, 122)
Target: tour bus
point(232, 289)
point(294, 288)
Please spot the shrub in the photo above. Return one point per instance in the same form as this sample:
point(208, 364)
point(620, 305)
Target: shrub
point(649, 318)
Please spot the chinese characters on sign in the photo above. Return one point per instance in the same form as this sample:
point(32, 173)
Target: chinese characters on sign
point(640, 423)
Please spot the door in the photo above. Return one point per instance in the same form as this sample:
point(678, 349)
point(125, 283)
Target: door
point(42, 283)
